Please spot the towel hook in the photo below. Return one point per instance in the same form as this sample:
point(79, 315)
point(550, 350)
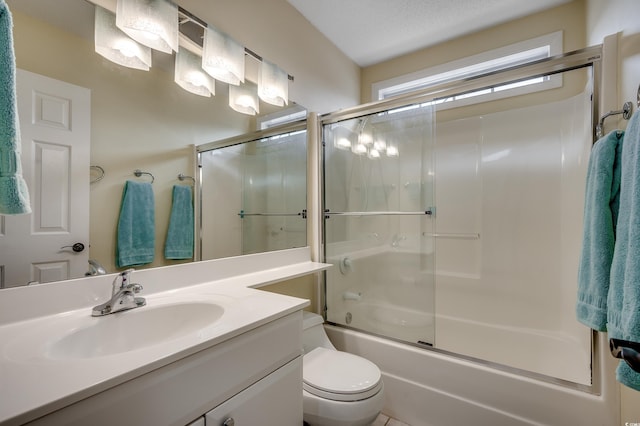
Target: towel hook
point(182, 176)
point(139, 173)
point(100, 171)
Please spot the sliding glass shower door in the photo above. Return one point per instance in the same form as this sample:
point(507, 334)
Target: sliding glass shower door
point(254, 194)
point(378, 197)
point(461, 229)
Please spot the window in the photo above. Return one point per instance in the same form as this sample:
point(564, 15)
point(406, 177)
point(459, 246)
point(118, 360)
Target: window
point(293, 113)
point(497, 59)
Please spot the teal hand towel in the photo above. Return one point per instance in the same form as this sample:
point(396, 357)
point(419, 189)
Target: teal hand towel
point(14, 195)
point(136, 225)
point(179, 243)
point(602, 199)
point(623, 318)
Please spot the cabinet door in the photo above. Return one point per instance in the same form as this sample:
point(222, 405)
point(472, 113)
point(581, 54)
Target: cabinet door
point(275, 400)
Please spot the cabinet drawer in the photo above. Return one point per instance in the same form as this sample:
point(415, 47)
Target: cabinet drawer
point(276, 400)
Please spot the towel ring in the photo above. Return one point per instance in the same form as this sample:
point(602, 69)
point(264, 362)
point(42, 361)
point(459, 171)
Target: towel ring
point(100, 171)
point(139, 173)
point(182, 176)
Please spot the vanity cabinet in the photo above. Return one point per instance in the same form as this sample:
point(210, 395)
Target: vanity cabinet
point(273, 401)
point(254, 378)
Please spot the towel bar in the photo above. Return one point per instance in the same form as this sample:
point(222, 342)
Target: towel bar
point(626, 110)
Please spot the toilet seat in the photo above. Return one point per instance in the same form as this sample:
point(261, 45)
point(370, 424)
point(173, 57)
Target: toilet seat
point(339, 376)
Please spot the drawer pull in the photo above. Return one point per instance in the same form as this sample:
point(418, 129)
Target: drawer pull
point(229, 422)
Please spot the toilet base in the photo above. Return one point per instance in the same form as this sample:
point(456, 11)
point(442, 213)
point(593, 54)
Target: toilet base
point(325, 412)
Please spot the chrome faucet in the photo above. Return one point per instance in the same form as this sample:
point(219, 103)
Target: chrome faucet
point(95, 268)
point(122, 297)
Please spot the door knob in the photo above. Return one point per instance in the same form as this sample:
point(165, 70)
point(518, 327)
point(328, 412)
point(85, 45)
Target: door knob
point(77, 247)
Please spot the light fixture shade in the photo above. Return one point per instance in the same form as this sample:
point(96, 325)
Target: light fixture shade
point(244, 98)
point(190, 76)
point(116, 46)
point(222, 57)
point(273, 84)
point(153, 23)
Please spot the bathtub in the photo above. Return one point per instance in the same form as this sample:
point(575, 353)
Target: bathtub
point(431, 388)
point(528, 370)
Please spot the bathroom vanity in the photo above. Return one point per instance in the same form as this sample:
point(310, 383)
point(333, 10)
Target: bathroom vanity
point(213, 349)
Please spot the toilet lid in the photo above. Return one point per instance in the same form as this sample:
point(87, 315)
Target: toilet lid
point(339, 376)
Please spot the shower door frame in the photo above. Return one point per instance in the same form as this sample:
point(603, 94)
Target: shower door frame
point(584, 58)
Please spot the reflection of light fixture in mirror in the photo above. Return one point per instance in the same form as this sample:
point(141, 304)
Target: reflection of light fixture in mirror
point(190, 76)
point(365, 138)
point(244, 98)
point(374, 153)
point(342, 143)
point(380, 145)
point(153, 23)
point(222, 57)
point(341, 137)
point(360, 149)
point(392, 151)
point(116, 46)
point(273, 84)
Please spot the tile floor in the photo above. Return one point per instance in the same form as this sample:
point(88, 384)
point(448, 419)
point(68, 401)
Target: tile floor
point(384, 420)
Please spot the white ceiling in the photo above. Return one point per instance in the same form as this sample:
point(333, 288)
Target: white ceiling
point(372, 31)
point(367, 31)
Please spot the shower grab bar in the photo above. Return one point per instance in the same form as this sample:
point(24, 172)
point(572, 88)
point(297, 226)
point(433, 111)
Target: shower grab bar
point(328, 213)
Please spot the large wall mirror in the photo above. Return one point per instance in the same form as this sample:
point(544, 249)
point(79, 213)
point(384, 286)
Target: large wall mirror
point(139, 120)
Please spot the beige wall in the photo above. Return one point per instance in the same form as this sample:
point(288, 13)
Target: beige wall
point(603, 19)
point(569, 18)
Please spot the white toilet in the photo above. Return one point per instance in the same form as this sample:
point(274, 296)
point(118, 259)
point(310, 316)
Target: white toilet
point(339, 389)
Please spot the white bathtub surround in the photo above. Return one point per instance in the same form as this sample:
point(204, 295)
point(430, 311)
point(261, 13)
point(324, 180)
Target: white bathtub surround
point(428, 388)
point(38, 376)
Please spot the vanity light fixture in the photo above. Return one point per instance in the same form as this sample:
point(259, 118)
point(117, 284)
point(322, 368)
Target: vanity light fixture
point(153, 23)
point(222, 57)
point(190, 76)
point(244, 98)
point(116, 46)
point(273, 84)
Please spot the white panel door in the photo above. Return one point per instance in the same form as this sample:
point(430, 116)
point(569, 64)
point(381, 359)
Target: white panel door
point(55, 120)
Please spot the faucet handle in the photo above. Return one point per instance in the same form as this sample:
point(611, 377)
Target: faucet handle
point(136, 288)
point(124, 279)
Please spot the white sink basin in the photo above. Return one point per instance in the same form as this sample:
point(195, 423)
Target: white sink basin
point(134, 329)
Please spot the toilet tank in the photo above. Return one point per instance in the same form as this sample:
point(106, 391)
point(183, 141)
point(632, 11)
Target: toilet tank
point(313, 334)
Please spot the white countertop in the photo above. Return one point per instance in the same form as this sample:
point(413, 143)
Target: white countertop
point(36, 380)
